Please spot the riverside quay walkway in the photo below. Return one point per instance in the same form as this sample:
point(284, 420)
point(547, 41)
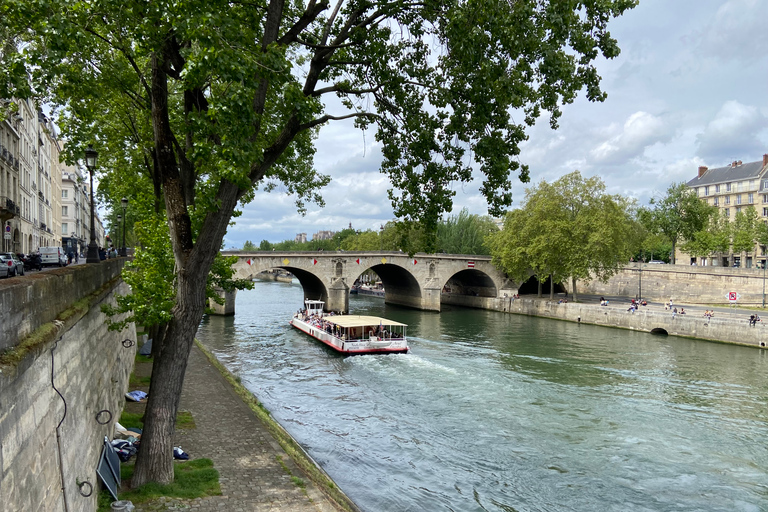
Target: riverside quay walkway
point(256, 474)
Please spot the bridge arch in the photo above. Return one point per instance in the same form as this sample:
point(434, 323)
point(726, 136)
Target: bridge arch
point(472, 282)
point(400, 285)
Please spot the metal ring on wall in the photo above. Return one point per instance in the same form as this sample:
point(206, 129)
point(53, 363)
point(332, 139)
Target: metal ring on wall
point(80, 485)
point(128, 343)
point(109, 418)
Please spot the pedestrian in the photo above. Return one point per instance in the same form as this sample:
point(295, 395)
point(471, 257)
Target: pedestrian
point(674, 312)
point(751, 320)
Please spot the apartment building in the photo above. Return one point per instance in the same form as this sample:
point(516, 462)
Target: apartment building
point(732, 188)
point(42, 202)
point(10, 209)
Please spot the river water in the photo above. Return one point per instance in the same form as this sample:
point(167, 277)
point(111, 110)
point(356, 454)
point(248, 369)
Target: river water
point(498, 412)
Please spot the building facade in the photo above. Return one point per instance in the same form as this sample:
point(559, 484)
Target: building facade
point(10, 198)
point(731, 189)
point(43, 202)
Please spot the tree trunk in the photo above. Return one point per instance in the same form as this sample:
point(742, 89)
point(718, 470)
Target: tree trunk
point(574, 297)
point(551, 288)
point(540, 288)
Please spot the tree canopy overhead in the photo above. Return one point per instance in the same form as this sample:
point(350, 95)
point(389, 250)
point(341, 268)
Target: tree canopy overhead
point(210, 99)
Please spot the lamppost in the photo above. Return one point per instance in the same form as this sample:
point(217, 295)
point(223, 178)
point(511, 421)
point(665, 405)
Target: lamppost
point(93, 249)
point(764, 262)
point(124, 202)
point(640, 282)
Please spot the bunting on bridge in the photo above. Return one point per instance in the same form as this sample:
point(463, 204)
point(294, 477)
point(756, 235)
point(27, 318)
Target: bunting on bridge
point(249, 261)
point(471, 264)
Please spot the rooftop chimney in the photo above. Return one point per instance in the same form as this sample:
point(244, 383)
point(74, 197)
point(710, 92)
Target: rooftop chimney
point(765, 159)
point(738, 163)
point(703, 169)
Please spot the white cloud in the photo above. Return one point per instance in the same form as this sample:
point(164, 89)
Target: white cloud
point(733, 134)
point(639, 131)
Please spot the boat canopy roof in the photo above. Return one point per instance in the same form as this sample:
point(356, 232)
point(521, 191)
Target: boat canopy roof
point(360, 321)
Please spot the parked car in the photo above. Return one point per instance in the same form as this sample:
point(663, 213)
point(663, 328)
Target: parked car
point(13, 263)
point(53, 256)
point(657, 262)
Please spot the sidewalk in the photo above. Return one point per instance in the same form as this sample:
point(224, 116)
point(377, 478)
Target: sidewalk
point(243, 451)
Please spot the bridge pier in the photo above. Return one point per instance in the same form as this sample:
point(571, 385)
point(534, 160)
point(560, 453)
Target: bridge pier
point(338, 297)
point(228, 308)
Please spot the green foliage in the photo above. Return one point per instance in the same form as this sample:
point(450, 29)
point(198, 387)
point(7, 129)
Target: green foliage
point(745, 230)
point(150, 276)
point(570, 228)
point(464, 233)
point(679, 215)
point(250, 246)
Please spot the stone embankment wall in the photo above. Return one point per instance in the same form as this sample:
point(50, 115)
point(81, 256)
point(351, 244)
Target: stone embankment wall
point(61, 385)
point(725, 328)
point(682, 283)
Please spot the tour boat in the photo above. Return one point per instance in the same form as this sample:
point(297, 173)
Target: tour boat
point(351, 334)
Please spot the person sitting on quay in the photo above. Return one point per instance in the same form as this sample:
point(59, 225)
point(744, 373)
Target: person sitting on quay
point(682, 311)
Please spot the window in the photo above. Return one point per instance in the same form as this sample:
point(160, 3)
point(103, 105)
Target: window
point(64, 228)
point(727, 199)
point(706, 191)
point(751, 198)
point(64, 194)
point(765, 184)
point(751, 184)
point(64, 211)
point(714, 201)
point(738, 209)
point(717, 189)
point(727, 187)
point(728, 213)
point(765, 212)
point(765, 198)
point(738, 198)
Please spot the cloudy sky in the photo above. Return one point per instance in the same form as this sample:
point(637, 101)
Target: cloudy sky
point(690, 88)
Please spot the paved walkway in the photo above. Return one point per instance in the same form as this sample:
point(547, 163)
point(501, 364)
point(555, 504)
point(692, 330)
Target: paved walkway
point(243, 451)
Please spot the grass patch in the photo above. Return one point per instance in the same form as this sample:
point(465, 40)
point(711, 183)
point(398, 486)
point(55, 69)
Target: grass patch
point(132, 420)
point(143, 359)
point(283, 438)
point(192, 479)
point(136, 382)
point(184, 419)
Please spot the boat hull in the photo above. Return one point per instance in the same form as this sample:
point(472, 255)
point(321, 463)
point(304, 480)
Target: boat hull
point(349, 347)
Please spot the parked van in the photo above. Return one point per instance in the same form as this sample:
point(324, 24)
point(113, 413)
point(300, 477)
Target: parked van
point(53, 256)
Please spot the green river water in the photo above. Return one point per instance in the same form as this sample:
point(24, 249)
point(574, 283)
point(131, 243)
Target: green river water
point(498, 412)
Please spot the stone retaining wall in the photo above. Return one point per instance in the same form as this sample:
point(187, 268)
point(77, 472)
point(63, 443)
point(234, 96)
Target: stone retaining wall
point(682, 283)
point(723, 329)
point(50, 444)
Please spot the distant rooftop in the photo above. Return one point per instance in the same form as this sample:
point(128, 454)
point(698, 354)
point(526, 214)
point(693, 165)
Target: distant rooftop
point(736, 171)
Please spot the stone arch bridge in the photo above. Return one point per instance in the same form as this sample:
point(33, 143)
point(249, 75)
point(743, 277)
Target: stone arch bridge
point(424, 281)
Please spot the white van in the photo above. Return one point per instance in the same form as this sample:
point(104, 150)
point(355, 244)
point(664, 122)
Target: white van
point(53, 256)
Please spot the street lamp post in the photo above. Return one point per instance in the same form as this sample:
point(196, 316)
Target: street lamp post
point(124, 202)
point(93, 249)
point(764, 262)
